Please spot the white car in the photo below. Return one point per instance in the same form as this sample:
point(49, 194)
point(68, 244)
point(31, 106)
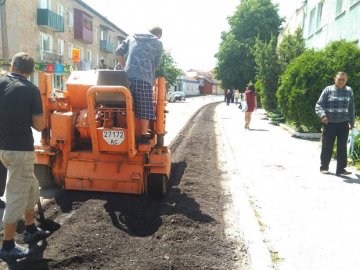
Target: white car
point(174, 96)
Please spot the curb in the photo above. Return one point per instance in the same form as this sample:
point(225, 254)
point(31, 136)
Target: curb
point(181, 131)
point(259, 254)
point(311, 136)
point(247, 227)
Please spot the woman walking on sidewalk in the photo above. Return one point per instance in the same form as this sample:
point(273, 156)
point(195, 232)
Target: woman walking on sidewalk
point(250, 99)
point(336, 110)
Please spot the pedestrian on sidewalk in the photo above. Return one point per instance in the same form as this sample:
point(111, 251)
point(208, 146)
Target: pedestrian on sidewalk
point(20, 109)
point(250, 99)
point(336, 110)
point(228, 96)
point(143, 56)
point(237, 96)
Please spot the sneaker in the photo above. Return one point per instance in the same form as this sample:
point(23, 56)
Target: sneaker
point(324, 171)
point(17, 252)
point(35, 237)
point(343, 172)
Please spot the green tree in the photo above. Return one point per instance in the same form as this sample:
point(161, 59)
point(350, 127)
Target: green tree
point(235, 60)
point(289, 48)
point(168, 68)
point(307, 75)
point(267, 72)
point(228, 58)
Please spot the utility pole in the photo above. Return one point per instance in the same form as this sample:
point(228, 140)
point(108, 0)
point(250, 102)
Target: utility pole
point(4, 40)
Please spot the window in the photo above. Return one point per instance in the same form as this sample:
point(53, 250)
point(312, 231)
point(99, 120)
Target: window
point(45, 4)
point(60, 10)
point(87, 24)
point(105, 35)
point(58, 82)
point(311, 22)
point(46, 42)
point(95, 33)
point(70, 48)
point(81, 54)
point(318, 15)
point(340, 7)
point(60, 47)
point(88, 56)
point(34, 78)
point(71, 20)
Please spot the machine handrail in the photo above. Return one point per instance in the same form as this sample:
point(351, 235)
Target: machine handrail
point(129, 112)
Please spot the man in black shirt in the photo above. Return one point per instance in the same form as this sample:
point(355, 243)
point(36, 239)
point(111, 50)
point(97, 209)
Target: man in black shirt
point(20, 109)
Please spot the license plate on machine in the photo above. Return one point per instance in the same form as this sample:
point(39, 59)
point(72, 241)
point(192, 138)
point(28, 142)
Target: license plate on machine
point(113, 137)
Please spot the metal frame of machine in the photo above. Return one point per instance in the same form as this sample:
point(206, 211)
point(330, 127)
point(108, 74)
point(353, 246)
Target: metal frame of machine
point(90, 138)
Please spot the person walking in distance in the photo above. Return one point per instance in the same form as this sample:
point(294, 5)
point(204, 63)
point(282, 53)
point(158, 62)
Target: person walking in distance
point(237, 96)
point(336, 110)
point(228, 96)
point(20, 109)
point(250, 99)
point(143, 53)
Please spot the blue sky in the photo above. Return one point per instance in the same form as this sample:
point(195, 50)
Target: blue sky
point(191, 28)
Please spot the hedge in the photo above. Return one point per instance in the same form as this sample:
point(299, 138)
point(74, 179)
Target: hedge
point(307, 75)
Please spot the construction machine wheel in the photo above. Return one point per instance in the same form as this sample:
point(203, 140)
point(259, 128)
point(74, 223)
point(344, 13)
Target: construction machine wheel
point(157, 185)
point(44, 176)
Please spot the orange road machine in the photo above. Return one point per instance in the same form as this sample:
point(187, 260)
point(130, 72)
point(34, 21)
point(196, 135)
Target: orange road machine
point(89, 141)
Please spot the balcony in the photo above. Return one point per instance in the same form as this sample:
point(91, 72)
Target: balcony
point(106, 46)
point(50, 20)
point(50, 57)
point(83, 26)
point(83, 34)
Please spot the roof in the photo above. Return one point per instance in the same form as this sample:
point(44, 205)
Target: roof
point(100, 16)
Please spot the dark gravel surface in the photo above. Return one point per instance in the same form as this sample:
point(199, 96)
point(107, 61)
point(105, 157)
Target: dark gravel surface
point(184, 230)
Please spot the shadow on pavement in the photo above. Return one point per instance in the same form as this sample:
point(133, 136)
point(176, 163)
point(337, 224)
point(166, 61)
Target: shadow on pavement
point(258, 129)
point(351, 180)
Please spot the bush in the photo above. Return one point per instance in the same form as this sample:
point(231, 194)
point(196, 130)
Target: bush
point(307, 75)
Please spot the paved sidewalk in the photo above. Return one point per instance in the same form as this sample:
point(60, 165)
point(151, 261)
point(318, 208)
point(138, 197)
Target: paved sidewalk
point(307, 220)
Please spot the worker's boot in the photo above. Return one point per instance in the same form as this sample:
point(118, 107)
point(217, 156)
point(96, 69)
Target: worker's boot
point(143, 140)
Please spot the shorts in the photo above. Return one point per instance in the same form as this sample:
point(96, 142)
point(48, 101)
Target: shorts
point(142, 94)
point(22, 187)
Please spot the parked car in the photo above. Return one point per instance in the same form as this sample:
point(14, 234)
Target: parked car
point(174, 96)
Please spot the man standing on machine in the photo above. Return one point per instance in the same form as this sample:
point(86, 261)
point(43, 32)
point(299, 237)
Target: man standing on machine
point(20, 109)
point(140, 56)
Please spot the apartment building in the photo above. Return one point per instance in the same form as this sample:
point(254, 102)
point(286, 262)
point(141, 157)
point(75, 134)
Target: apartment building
point(324, 21)
point(329, 20)
point(50, 29)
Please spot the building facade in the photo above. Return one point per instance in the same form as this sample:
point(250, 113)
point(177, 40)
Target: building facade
point(50, 29)
point(324, 21)
point(188, 85)
point(329, 20)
